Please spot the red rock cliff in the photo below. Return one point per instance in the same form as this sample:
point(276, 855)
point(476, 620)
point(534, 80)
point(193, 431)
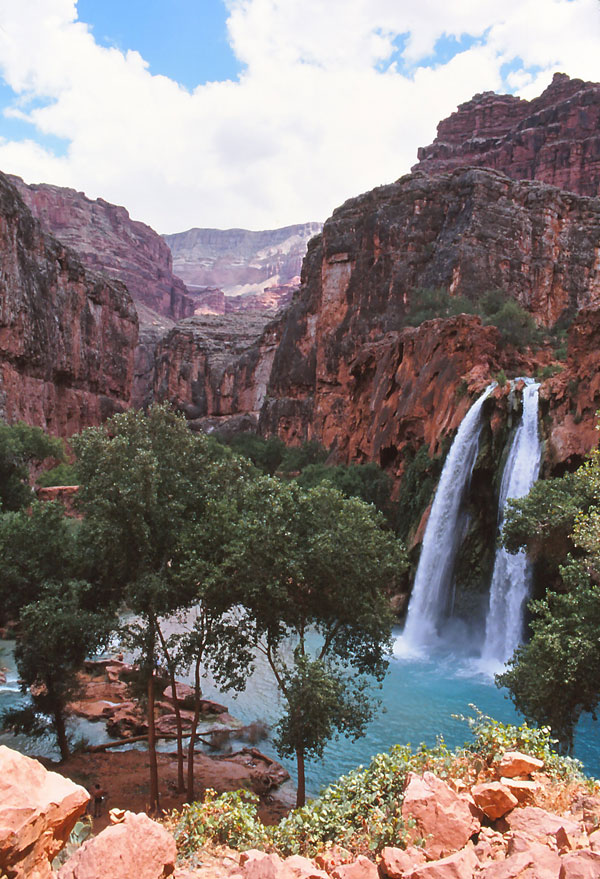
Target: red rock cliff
point(554, 138)
point(107, 240)
point(346, 373)
point(67, 336)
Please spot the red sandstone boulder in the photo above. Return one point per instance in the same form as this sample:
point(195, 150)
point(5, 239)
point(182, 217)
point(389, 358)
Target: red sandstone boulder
point(582, 864)
point(395, 862)
point(361, 868)
point(537, 862)
point(522, 788)
point(494, 799)
point(460, 865)
point(595, 841)
point(137, 848)
point(259, 865)
point(302, 868)
point(537, 824)
point(442, 817)
point(333, 857)
point(38, 810)
point(513, 763)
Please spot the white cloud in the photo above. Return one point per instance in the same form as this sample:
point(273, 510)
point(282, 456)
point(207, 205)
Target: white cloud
point(323, 110)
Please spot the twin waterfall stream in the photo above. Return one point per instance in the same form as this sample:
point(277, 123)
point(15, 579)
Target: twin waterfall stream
point(446, 528)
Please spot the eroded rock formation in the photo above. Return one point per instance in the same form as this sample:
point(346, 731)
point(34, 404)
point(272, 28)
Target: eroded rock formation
point(347, 373)
point(215, 367)
point(67, 336)
point(255, 271)
point(554, 138)
point(107, 240)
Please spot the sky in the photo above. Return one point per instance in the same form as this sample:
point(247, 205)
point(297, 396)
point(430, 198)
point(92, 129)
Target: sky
point(259, 113)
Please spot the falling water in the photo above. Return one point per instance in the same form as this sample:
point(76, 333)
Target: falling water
point(512, 575)
point(443, 532)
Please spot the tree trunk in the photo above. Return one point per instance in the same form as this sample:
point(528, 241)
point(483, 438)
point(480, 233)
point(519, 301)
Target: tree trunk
point(301, 790)
point(154, 797)
point(192, 744)
point(171, 668)
point(61, 733)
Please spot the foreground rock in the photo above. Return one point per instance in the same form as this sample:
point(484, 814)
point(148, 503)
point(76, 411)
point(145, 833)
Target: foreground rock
point(443, 818)
point(136, 848)
point(38, 810)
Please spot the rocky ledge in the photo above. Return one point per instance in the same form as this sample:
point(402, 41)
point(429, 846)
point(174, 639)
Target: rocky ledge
point(554, 138)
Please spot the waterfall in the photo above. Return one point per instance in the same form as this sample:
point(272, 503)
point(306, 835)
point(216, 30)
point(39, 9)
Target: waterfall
point(511, 579)
point(443, 532)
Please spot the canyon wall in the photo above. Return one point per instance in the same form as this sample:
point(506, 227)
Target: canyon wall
point(346, 371)
point(255, 271)
point(554, 138)
point(107, 240)
point(67, 336)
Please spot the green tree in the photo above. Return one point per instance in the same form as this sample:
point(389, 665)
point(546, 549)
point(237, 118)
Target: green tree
point(56, 633)
point(35, 546)
point(21, 446)
point(555, 677)
point(366, 481)
point(144, 481)
point(313, 570)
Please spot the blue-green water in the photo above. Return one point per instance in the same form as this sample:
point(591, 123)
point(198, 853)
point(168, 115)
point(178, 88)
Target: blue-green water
point(419, 698)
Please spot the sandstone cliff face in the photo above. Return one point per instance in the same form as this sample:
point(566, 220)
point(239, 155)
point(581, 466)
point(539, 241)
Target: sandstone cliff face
point(345, 371)
point(107, 240)
point(242, 264)
point(67, 337)
point(214, 367)
point(554, 138)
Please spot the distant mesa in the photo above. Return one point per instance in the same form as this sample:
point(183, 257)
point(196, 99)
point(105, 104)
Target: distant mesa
point(232, 270)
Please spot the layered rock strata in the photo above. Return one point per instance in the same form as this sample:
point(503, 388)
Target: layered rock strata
point(215, 367)
point(554, 138)
point(67, 336)
point(348, 374)
point(107, 240)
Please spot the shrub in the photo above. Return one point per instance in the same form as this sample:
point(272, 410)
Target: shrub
point(63, 474)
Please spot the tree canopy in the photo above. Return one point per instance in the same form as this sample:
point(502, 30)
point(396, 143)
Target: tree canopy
point(555, 677)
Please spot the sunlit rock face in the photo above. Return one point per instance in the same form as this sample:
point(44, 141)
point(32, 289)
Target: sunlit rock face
point(554, 138)
point(67, 336)
point(107, 240)
point(346, 373)
point(231, 270)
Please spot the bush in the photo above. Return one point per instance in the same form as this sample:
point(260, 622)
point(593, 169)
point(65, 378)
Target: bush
point(427, 303)
point(517, 327)
point(228, 819)
point(63, 474)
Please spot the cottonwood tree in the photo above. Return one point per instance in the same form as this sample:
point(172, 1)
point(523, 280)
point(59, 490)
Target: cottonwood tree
point(313, 569)
point(144, 481)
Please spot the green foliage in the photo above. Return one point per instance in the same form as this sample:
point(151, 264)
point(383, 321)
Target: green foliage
point(362, 810)
point(492, 738)
point(20, 446)
point(365, 481)
point(554, 678)
point(517, 327)
point(313, 561)
point(34, 548)
point(56, 633)
point(429, 302)
point(63, 474)
point(548, 371)
point(296, 458)
point(420, 478)
point(225, 819)
point(500, 378)
point(265, 454)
